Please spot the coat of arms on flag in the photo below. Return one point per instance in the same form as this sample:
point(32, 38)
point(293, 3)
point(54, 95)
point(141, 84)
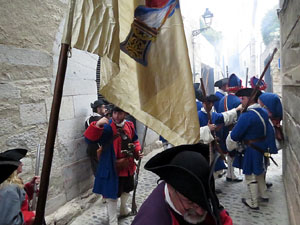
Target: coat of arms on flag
point(148, 19)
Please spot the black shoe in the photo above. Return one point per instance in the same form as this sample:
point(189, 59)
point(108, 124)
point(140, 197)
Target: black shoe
point(246, 204)
point(264, 199)
point(218, 191)
point(269, 184)
point(221, 174)
point(234, 180)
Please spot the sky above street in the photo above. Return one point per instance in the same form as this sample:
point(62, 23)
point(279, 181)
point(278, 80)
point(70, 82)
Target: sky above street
point(234, 18)
point(229, 15)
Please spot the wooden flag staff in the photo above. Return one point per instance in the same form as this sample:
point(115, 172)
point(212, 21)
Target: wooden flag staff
point(49, 147)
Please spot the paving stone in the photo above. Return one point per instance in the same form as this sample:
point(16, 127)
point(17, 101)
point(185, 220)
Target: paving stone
point(274, 212)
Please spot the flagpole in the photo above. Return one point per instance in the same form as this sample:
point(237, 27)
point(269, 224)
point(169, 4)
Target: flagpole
point(52, 128)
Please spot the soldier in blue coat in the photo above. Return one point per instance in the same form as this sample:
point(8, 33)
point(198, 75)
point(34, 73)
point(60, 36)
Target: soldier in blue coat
point(221, 92)
point(271, 102)
point(255, 131)
point(218, 120)
point(228, 102)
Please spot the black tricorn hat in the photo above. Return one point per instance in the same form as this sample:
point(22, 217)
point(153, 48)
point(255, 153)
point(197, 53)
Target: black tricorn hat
point(198, 92)
point(97, 103)
point(187, 170)
point(13, 154)
point(247, 92)
point(211, 98)
point(221, 83)
point(7, 168)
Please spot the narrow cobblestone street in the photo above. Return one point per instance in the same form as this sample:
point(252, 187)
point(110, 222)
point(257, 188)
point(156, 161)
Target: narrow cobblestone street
point(274, 212)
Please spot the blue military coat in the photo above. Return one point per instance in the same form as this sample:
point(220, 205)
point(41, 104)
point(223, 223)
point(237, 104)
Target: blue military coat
point(250, 126)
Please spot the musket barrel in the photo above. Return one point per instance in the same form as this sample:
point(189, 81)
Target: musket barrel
point(254, 92)
point(36, 173)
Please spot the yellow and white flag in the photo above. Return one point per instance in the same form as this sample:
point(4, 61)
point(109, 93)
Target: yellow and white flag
point(93, 26)
point(154, 83)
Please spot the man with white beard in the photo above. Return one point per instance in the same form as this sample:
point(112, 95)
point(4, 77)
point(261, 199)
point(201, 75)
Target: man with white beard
point(186, 194)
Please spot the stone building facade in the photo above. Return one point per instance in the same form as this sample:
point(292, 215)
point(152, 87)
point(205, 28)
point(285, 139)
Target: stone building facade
point(30, 35)
point(290, 72)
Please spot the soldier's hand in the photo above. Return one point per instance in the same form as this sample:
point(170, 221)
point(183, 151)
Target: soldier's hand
point(211, 126)
point(138, 155)
point(102, 121)
point(239, 108)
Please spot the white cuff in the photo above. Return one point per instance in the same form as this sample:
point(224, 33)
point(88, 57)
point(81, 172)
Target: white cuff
point(205, 135)
point(230, 144)
point(230, 116)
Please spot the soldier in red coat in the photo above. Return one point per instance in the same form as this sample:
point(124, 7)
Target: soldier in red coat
point(115, 171)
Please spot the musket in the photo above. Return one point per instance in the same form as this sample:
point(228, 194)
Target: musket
point(136, 178)
point(36, 173)
point(214, 142)
point(247, 69)
point(254, 92)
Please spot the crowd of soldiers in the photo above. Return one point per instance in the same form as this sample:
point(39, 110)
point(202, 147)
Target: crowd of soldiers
point(242, 133)
point(249, 139)
point(237, 130)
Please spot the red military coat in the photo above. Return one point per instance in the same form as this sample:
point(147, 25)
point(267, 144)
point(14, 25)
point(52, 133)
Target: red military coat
point(94, 133)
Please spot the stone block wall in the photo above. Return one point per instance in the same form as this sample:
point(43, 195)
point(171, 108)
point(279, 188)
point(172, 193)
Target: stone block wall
point(290, 73)
point(30, 36)
point(274, 67)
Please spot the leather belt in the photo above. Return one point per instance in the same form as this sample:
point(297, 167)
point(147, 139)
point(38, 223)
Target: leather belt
point(248, 142)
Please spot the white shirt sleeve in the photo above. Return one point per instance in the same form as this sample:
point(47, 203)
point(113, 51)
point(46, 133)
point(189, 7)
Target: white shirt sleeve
point(231, 144)
point(205, 135)
point(230, 116)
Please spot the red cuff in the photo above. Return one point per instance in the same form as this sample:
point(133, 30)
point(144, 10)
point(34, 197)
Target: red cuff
point(28, 215)
point(93, 133)
point(225, 218)
point(29, 188)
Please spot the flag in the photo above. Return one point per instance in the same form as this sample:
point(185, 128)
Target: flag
point(92, 25)
point(154, 83)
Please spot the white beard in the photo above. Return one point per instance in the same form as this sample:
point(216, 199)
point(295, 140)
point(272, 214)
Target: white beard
point(192, 217)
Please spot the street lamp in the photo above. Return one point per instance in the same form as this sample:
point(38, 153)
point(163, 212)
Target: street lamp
point(207, 16)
